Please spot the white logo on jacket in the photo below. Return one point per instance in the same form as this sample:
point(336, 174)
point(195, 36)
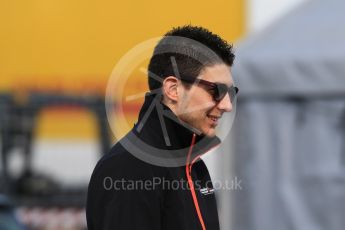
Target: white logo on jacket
point(207, 191)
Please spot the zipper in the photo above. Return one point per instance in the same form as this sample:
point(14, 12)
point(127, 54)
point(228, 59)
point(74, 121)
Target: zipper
point(190, 182)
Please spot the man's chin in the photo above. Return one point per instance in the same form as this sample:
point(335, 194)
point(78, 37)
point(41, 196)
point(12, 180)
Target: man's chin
point(210, 132)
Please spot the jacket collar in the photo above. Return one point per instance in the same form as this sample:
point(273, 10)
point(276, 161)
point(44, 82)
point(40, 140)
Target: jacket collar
point(160, 128)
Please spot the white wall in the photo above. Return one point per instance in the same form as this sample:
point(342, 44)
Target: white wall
point(262, 13)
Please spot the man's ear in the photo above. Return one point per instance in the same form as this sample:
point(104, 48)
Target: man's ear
point(169, 88)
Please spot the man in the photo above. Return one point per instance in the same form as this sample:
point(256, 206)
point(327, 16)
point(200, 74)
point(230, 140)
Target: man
point(190, 88)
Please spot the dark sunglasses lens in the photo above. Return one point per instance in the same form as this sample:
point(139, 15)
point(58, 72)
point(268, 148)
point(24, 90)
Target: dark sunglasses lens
point(222, 90)
point(232, 92)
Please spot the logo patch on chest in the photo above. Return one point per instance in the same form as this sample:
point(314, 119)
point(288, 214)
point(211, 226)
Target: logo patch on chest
point(207, 191)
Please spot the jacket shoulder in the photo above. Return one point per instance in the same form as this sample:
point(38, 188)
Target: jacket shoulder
point(118, 163)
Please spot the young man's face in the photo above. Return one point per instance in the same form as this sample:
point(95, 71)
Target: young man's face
point(196, 105)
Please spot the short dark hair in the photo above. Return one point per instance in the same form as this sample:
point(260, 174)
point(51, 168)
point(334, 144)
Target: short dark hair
point(188, 61)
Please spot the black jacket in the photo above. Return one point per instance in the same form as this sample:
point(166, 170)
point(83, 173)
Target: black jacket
point(118, 197)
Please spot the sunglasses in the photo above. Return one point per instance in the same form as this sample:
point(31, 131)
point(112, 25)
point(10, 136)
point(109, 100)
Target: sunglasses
point(217, 90)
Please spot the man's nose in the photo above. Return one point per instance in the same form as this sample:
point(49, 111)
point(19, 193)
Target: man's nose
point(225, 104)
